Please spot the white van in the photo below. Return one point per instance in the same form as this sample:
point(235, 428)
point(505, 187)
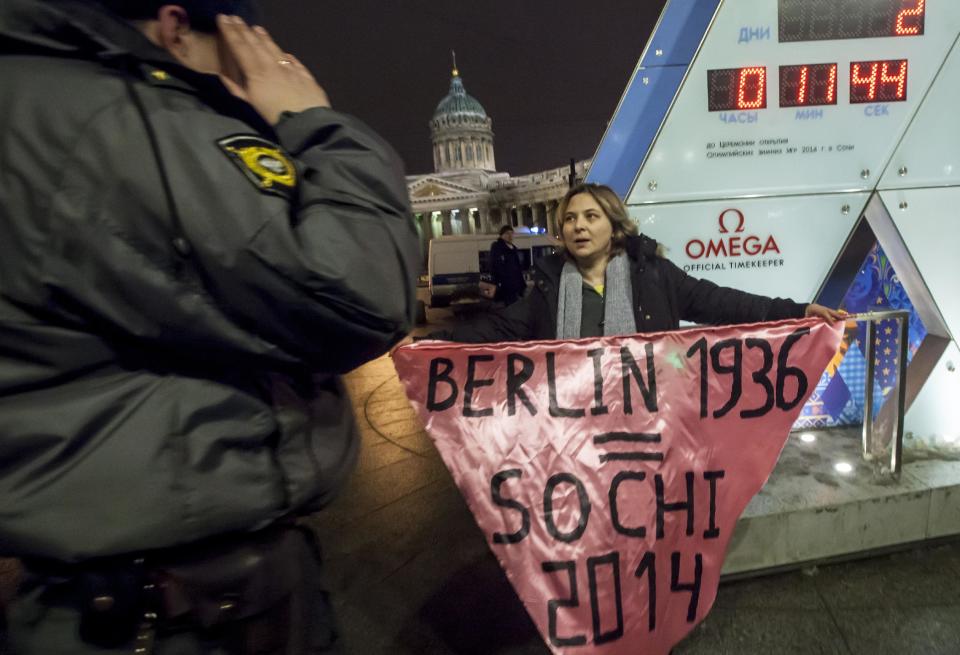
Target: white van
point(456, 264)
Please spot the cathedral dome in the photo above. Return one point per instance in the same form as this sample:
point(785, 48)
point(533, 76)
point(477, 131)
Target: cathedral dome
point(461, 131)
point(458, 104)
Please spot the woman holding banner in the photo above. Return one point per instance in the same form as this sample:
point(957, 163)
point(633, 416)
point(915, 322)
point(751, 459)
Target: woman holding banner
point(610, 280)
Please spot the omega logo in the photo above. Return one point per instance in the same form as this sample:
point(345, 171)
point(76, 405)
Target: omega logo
point(723, 218)
point(732, 222)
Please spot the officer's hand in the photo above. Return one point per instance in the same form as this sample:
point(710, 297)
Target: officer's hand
point(825, 313)
point(272, 81)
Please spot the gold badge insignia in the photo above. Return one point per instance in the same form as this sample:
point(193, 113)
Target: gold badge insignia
point(263, 163)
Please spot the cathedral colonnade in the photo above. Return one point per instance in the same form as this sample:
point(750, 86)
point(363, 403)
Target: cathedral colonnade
point(463, 151)
point(487, 220)
point(535, 214)
point(456, 220)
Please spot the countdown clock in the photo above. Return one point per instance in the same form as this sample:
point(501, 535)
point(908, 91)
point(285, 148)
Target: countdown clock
point(804, 85)
point(776, 97)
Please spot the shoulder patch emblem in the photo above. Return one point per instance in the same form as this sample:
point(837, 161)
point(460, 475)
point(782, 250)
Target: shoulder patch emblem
point(263, 163)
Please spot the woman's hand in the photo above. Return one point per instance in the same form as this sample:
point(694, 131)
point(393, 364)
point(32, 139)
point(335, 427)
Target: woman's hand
point(827, 314)
point(272, 81)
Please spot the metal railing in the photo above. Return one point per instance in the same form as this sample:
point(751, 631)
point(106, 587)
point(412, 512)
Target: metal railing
point(889, 420)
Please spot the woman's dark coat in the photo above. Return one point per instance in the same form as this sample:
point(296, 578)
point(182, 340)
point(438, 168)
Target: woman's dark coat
point(663, 295)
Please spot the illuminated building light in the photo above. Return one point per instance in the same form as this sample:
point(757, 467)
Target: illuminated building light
point(808, 437)
point(843, 467)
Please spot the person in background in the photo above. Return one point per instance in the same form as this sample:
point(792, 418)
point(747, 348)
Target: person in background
point(610, 280)
point(185, 238)
point(506, 269)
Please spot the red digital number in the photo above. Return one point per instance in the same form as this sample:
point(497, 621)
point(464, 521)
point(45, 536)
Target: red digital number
point(900, 79)
point(808, 84)
point(752, 88)
point(908, 14)
point(802, 91)
point(823, 20)
point(832, 85)
point(878, 81)
point(737, 89)
point(869, 83)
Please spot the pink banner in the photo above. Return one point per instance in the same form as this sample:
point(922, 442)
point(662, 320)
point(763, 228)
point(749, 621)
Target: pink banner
point(608, 474)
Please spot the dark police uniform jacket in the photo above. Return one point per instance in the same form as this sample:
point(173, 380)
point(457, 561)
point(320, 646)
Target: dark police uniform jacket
point(506, 270)
point(663, 295)
point(179, 285)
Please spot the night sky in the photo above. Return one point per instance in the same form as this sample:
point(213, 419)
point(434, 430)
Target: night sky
point(549, 74)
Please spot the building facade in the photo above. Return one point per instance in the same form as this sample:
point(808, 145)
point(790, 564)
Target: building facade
point(465, 194)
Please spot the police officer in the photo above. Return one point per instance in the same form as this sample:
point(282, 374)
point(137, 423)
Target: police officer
point(185, 238)
point(505, 268)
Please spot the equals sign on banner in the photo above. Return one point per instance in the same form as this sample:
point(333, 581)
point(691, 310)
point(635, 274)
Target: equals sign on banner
point(632, 439)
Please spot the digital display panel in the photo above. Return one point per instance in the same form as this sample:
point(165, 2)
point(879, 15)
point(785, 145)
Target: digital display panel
point(807, 85)
point(736, 89)
point(878, 81)
point(822, 20)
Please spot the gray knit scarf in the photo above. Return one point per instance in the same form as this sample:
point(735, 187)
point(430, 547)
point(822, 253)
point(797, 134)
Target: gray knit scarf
point(618, 317)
